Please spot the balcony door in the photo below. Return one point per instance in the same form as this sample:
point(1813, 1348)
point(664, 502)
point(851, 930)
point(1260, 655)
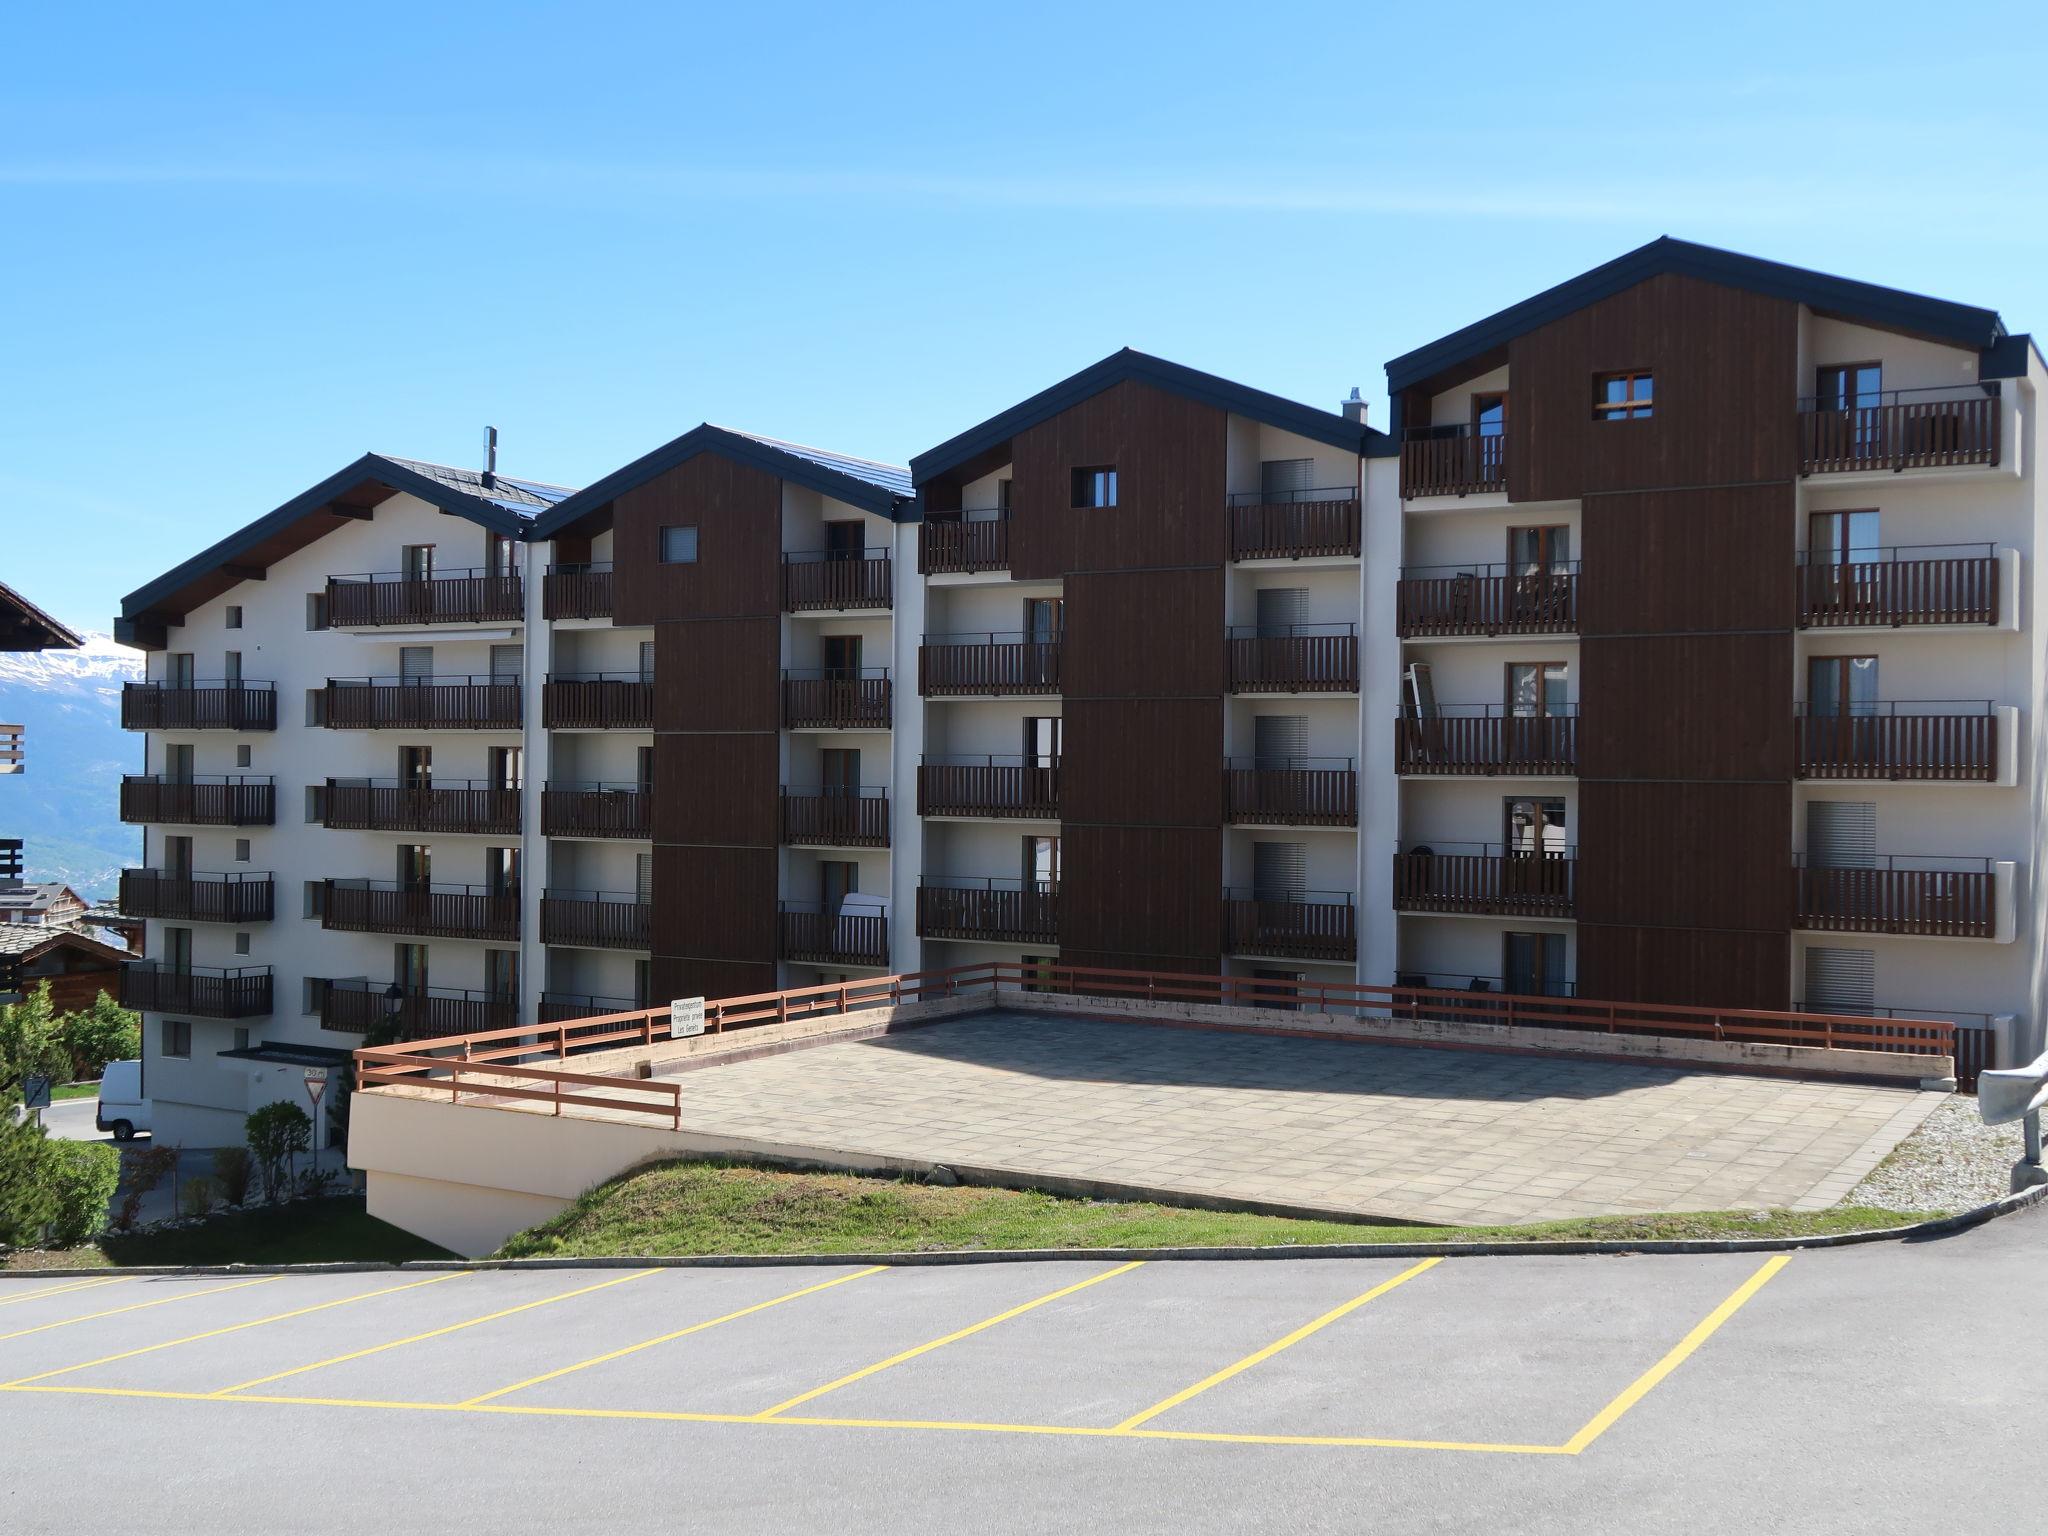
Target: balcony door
point(1041, 741)
point(416, 768)
point(1854, 391)
point(1842, 538)
point(416, 664)
point(176, 946)
point(1535, 699)
point(501, 975)
point(231, 668)
point(1841, 708)
point(839, 772)
point(178, 857)
point(1044, 618)
point(841, 655)
point(845, 540)
point(416, 562)
point(1533, 835)
point(501, 872)
point(1285, 480)
point(409, 967)
point(837, 880)
point(1532, 964)
point(415, 866)
point(178, 763)
point(506, 767)
point(1041, 864)
point(178, 669)
point(508, 663)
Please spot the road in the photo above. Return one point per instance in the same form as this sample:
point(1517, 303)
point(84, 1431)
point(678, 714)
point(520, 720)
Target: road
point(72, 1120)
point(1878, 1389)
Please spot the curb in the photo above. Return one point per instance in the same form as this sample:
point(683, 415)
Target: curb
point(1938, 1227)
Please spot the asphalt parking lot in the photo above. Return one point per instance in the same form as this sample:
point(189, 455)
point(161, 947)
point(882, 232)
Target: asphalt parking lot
point(1540, 1393)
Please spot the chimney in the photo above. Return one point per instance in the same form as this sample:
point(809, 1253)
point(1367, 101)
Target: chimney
point(491, 455)
point(1354, 408)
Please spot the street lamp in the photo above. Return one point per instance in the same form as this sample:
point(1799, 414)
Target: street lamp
point(394, 1004)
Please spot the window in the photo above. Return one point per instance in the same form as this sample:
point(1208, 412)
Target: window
point(508, 663)
point(416, 767)
point(1539, 551)
point(1532, 965)
point(646, 661)
point(1490, 415)
point(1285, 480)
point(231, 668)
point(501, 554)
point(234, 616)
point(1095, 486)
point(316, 610)
point(417, 562)
point(241, 1037)
point(1849, 386)
point(644, 761)
point(178, 762)
point(1042, 863)
point(241, 850)
point(1041, 741)
point(1534, 826)
point(416, 663)
point(501, 974)
point(1841, 685)
point(316, 897)
point(409, 967)
point(178, 669)
point(415, 862)
point(643, 878)
point(178, 857)
point(1535, 688)
point(1622, 396)
point(501, 871)
point(242, 758)
point(241, 944)
point(679, 546)
point(506, 770)
point(1003, 494)
point(1843, 538)
point(177, 1039)
point(1841, 980)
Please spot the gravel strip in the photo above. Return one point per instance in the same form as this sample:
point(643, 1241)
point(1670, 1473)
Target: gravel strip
point(1953, 1162)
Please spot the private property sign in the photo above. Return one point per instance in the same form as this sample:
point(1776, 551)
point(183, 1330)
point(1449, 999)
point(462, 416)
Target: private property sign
point(686, 1016)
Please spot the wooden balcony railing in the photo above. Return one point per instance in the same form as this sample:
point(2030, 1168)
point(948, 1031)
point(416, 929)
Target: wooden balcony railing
point(1487, 600)
point(577, 591)
point(414, 1013)
point(1485, 879)
point(597, 701)
point(1305, 925)
point(1291, 792)
point(229, 706)
point(1901, 429)
point(442, 805)
point(835, 818)
point(844, 936)
point(1894, 588)
point(1007, 911)
point(560, 1007)
point(1294, 525)
point(948, 546)
point(1440, 461)
point(1488, 741)
point(987, 664)
point(596, 919)
point(835, 699)
point(205, 992)
point(595, 810)
point(1293, 658)
point(430, 911)
point(831, 580)
point(186, 897)
point(207, 801)
point(1932, 740)
point(12, 757)
point(452, 597)
point(989, 786)
point(427, 703)
point(1955, 898)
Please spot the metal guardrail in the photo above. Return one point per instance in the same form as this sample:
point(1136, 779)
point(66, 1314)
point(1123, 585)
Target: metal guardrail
point(2018, 1093)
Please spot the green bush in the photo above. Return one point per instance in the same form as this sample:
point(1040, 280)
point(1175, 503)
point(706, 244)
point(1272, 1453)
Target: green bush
point(27, 1203)
point(196, 1197)
point(82, 1176)
point(235, 1172)
point(31, 1045)
point(97, 1035)
point(277, 1133)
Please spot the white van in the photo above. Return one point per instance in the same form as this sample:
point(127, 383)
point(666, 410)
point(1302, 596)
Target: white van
point(122, 1108)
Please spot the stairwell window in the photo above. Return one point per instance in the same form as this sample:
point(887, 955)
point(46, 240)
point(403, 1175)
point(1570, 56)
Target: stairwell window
point(1623, 396)
point(679, 546)
point(1095, 486)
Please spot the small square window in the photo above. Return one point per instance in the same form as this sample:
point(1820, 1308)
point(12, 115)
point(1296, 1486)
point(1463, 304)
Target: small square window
point(242, 758)
point(241, 943)
point(679, 546)
point(1623, 396)
point(241, 850)
point(234, 616)
point(177, 1039)
point(1095, 486)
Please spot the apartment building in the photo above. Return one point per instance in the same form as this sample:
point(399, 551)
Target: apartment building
point(1674, 644)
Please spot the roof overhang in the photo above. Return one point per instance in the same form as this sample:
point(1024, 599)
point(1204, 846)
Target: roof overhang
point(280, 1053)
point(25, 627)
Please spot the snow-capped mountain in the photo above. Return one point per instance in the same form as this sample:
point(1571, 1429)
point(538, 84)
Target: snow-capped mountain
point(65, 805)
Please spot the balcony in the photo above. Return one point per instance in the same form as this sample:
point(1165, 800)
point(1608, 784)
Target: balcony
point(1472, 739)
point(1953, 898)
point(597, 701)
point(1933, 740)
point(835, 699)
point(594, 810)
point(835, 581)
point(422, 1013)
point(428, 911)
point(577, 591)
point(440, 805)
point(472, 596)
point(812, 935)
point(1293, 658)
point(1291, 792)
point(1294, 525)
point(835, 818)
point(184, 897)
point(209, 800)
point(1487, 600)
point(213, 706)
point(1302, 925)
point(1000, 787)
point(596, 919)
point(11, 755)
point(958, 546)
point(1486, 880)
point(1898, 429)
point(420, 703)
point(205, 992)
point(565, 1007)
point(1900, 587)
point(1004, 911)
point(987, 665)
point(1452, 461)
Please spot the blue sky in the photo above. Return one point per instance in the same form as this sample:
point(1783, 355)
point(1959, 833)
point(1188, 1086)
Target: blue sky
point(241, 245)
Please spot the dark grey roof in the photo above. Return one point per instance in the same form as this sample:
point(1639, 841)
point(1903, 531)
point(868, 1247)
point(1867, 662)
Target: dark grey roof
point(1962, 325)
point(22, 938)
point(25, 627)
point(289, 1053)
point(893, 478)
point(38, 896)
point(524, 497)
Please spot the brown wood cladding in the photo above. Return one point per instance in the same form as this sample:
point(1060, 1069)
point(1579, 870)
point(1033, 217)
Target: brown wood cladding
point(1168, 452)
point(1676, 561)
point(1688, 967)
point(1143, 891)
point(1142, 762)
point(716, 789)
point(716, 903)
point(681, 976)
point(1681, 707)
point(1144, 634)
point(1685, 856)
point(737, 512)
point(718, 675)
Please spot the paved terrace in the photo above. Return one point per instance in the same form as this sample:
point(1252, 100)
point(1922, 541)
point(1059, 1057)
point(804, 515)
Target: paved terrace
point(1410, 1134)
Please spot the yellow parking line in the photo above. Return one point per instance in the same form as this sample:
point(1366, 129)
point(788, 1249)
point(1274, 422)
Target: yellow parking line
point(954, 1337)
point(214, 1333)
point(1274, 1348)
point(433, 1333)
point(137, 1306)
point(1638, 1389)
point(60, 1290)
point(630, 1349)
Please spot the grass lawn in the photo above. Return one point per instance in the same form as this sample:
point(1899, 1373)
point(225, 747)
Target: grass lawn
point(693, 1207)
point(306, 1232)
point(75, 1091)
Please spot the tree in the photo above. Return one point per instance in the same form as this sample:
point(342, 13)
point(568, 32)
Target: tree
point(97, 1035)
point(276, 1134)
point(27, 1201)
point(31, 1044)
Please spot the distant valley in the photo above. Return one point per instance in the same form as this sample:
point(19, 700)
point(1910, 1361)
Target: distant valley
point(66, 805)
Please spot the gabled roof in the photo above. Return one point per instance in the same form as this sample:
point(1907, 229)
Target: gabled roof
point(1962, 325)
point(29, 941)
point(25, 627)
point(1290, 416)
point(883, 489)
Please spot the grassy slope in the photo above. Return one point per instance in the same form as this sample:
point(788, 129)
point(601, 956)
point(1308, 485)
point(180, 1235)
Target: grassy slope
point(308, 1232)
point(694, 1207)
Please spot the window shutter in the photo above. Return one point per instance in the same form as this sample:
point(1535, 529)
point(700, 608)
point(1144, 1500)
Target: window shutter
point(1279, 741)
point(1840, 980)
point(415, 663)
point(1841, 834)
point(646, 661)
point(1282, 606)
point(643, 877)
point(1279, 871)
point(1280, 479)
point(507, 663)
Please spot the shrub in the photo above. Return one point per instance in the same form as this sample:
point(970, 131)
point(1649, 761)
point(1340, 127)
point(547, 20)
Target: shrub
point(276, 1134)
point(97, 1035)
point(30, 1042)
point(27, 1203)
point(195, 1197)
point(235, 1172)
point(141, 1171)
point(82, 1177)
